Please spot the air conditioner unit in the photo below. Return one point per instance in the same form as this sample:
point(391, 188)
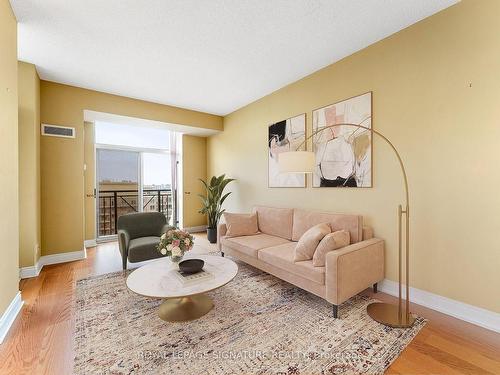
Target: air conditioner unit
point(58, 131)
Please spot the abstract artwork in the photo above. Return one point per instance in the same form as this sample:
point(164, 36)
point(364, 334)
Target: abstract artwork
point(343, 153)
point(284, 136)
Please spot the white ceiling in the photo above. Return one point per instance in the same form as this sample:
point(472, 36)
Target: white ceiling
point(210, 55)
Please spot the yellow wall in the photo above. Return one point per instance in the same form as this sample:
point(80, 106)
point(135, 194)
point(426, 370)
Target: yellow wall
point(9, 202)
point(194, 156)
point(447, 133)
point(62, 177)
point(29, 164)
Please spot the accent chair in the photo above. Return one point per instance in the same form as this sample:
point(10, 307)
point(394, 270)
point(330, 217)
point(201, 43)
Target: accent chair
point(139, 234)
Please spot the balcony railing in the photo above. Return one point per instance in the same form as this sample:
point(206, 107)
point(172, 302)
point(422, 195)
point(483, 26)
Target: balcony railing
point(114, 203)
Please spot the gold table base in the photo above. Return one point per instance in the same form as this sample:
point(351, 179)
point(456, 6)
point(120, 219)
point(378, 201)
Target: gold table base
point(388, 314)
point(185, 308)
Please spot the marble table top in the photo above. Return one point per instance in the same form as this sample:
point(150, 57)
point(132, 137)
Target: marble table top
point(157, 279)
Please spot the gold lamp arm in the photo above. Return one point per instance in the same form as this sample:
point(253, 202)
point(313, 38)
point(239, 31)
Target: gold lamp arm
point(372, 131)
point(384, 313)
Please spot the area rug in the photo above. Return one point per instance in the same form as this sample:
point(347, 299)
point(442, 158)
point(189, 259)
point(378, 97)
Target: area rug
point(259, 325)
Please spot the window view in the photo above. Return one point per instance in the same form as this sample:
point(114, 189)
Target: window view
point(136, 178)
point(157, 183)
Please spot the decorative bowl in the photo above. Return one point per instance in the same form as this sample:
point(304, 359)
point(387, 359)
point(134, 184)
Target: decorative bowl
point(191, 266)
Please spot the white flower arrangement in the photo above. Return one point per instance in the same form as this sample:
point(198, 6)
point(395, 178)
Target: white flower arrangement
point(175, 242)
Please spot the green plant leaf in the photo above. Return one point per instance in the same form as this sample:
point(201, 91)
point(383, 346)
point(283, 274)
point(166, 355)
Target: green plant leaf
point(204, 183)
point(224, 198)
point(213, 181)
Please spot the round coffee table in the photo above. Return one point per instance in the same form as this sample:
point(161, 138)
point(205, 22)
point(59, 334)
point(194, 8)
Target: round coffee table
point(183, 301)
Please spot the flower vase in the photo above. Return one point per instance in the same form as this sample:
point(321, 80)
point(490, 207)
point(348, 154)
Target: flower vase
point(176, 259)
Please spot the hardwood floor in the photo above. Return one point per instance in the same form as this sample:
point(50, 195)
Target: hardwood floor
point(41, 339)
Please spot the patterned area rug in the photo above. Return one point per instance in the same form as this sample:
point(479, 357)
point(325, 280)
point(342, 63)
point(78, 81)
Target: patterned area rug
point(259, 325)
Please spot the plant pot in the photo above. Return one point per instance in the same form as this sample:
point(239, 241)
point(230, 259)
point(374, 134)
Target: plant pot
point(212, 235)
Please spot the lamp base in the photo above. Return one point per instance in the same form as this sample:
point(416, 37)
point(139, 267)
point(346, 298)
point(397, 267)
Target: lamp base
point(388, 315)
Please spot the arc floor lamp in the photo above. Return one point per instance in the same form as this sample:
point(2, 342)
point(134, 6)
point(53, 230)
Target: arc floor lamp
point(385, 313)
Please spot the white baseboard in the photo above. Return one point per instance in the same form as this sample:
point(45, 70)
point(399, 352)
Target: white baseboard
point(32, 271)
point(472, 314)
point(200, 228)
point(63, 257)
point(90, 243)
point(10, 315)
point(45, 260)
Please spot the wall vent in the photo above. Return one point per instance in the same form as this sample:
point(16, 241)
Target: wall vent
point(58, 131)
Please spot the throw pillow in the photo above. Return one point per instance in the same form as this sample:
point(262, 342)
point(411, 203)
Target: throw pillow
point(330, 242)
point(241, 224)
point(309, 241)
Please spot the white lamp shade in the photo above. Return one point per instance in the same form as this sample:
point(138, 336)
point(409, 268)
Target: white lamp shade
point(296, 162)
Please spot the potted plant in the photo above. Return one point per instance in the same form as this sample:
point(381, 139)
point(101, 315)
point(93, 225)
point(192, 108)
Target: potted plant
point(212, 203)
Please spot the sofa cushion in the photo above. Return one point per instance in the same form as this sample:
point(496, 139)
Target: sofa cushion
point(250, 245)
point(309, 242)
point(275, 221)
point(303, 220)
point(240, 224)
point(281, 256)
point(143, 248)
point(330, 242)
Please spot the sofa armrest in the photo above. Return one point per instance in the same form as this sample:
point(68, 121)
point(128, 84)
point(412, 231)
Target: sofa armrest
point(123, 242)
point(221, 231)
point(353, 268)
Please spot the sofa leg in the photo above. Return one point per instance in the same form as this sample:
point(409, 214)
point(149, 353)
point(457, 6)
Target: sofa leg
point(222, 254)
point(375, 290)
point(124, 263)
point(335, 311)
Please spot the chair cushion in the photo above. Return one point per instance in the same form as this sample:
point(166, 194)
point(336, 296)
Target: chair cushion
point(309, 242)
point(330, 242)
point(143, 248)
point(240, 224)
point(275, 221)
point(250, 245)
point(281, 256)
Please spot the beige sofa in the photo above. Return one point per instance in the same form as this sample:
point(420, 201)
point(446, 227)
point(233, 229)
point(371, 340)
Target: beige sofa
point(348, 270)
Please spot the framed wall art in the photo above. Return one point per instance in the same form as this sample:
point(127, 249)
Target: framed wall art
point(284, 136)
point(343, 153)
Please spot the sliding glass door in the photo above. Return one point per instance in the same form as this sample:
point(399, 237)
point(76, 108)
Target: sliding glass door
point(157, 192)
point(136, 172)
point(118, 188)
point(133, 181)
